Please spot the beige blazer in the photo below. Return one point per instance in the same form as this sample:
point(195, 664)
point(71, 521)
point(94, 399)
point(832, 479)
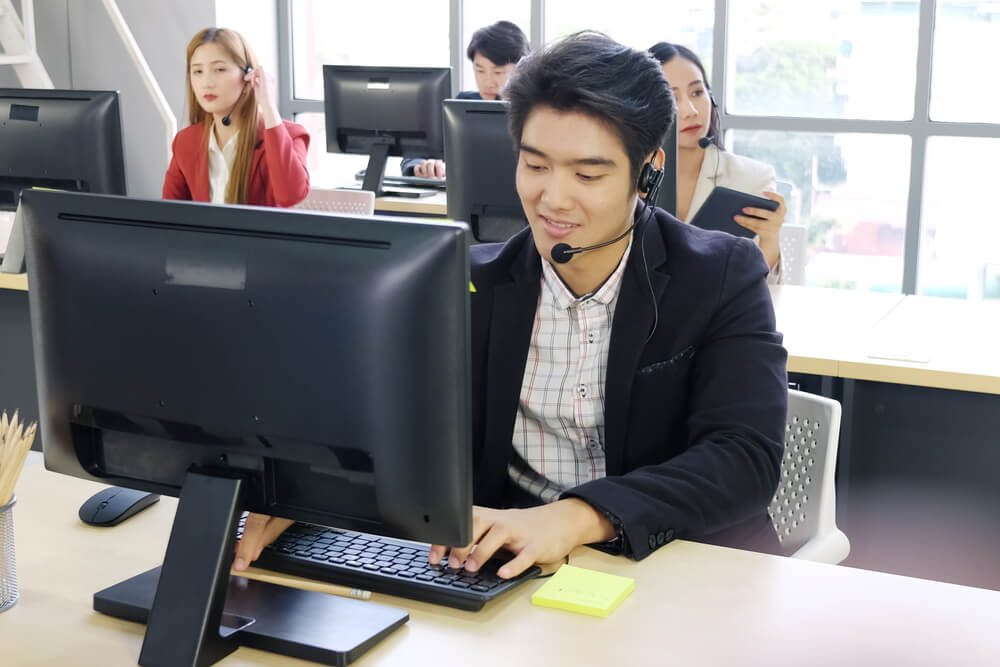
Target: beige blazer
point(738, 173)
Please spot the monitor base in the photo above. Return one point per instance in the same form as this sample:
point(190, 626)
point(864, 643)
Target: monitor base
point(313, 626)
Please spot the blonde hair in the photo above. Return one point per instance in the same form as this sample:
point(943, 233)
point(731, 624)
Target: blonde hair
point(244, 115)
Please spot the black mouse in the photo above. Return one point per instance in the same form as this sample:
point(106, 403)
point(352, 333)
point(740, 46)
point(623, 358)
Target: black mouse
point(114, 504)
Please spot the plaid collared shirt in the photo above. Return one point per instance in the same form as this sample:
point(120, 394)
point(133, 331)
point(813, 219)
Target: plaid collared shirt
point(559, 429)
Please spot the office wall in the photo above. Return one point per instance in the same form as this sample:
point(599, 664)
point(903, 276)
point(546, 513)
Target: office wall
point(52, 33)
point(99, 61)
point(81, 49)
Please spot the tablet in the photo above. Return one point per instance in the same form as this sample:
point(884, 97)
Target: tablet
point(723, 204)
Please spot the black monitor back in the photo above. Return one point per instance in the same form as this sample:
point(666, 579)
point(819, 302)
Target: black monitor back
point(322, 358)
point(62, 139)
point(401, 106)
point(481, 163)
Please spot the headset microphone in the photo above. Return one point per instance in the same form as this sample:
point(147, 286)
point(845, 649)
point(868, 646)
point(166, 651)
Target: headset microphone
point(226, 120)
point(706, 141)
point(649, 183)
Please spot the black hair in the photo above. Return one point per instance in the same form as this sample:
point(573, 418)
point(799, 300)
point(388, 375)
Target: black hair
point(590, 73)
point(503, 43)
point(664, 52)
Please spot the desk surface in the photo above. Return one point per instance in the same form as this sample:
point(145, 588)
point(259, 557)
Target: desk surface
point(436, 204)
point(822, 327)
point(914, 340)
point(14, 281)
point(693, 604)
point(932, 342)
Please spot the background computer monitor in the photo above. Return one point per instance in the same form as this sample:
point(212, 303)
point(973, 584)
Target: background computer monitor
point(308, 366)
point(382, 111)
point(481, 166)
point(62, 139)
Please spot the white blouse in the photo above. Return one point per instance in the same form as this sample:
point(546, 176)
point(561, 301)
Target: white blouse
point(220, 163)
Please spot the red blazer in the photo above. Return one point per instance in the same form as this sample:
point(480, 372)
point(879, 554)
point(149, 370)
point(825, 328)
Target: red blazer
point(278, 174)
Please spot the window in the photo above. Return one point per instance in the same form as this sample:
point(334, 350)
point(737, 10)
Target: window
point(476, 15)
point(960, 234)
point(637, 23)
point(850, 191)
point(823, 58)
point(386, 32)
point(965, 39)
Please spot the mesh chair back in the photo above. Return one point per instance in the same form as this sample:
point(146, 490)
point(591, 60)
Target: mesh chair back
point(793, 239)
point(357, 202)
point(804, 507)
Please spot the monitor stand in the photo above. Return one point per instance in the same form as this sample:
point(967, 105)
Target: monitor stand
point(375, 171)
point(200, 614)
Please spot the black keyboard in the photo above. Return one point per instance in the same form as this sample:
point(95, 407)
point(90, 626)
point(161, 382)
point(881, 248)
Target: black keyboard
point(383, 565)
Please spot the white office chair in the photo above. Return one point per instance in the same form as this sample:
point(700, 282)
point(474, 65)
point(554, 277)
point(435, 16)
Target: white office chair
point(793, 240)
point(804, 508)
point(360, 202)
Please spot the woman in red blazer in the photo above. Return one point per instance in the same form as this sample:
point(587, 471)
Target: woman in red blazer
point(237, 149)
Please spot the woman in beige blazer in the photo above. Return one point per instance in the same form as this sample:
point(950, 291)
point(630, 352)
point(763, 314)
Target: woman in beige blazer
point(703, 163)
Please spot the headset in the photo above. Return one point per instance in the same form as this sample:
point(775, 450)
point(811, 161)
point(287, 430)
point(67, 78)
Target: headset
point(708, 139)
point(226, 120)
point(649, 185)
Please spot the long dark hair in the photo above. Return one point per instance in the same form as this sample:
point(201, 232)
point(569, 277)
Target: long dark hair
point(664, 52)
point(245, 113)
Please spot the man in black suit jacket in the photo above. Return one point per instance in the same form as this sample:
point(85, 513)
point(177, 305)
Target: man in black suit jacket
point(628, 383)
point(690, 441)
point(494, 51)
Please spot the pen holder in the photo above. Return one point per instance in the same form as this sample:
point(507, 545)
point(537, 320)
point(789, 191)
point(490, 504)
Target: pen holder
point(8, 569)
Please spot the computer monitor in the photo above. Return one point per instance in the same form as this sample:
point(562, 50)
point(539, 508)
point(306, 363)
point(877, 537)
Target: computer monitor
point(61, 139)
point(382, 111)
point(482, 162)
point(292, 363)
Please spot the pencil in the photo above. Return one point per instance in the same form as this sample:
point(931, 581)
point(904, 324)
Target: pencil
point(15, 442)
point(302, 583)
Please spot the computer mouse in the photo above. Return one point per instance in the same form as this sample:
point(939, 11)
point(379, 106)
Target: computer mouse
point(114, 504)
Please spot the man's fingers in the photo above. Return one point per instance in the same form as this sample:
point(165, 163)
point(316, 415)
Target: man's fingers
point(272, 529)
point(437, 553)
point(246, 548)
point(487, 545)
point(439, 169)
point(518, 564)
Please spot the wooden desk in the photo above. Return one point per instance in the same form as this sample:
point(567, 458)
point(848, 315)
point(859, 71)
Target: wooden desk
point(823, 327)
point(693, 604)
point(932, 342)
point(14, 281)
point(913, 340)
point(435, 205)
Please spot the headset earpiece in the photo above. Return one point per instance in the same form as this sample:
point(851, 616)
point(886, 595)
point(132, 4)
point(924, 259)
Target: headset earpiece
point(712, 98)
point(649, 178)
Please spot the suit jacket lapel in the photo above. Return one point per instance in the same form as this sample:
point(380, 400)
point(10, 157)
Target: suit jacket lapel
point(634, 315)
point(706, 181)
point(511, 322)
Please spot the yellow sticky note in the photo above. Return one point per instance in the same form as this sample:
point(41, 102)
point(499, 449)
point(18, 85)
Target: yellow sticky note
point(472, 288)
point(583, 591)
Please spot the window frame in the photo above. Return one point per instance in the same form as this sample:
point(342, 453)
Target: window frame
point(919, 129)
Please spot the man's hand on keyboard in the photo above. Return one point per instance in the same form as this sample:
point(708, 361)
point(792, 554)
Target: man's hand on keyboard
point(544, 534)
point(430, 169)
point(259, 531)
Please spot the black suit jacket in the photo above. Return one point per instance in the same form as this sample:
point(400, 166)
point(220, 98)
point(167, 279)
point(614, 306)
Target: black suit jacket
point(408, 163)
point(694, 418)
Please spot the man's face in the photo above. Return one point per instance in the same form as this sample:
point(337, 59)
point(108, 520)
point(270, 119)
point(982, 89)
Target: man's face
point(574, 182)
point(490, 77)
